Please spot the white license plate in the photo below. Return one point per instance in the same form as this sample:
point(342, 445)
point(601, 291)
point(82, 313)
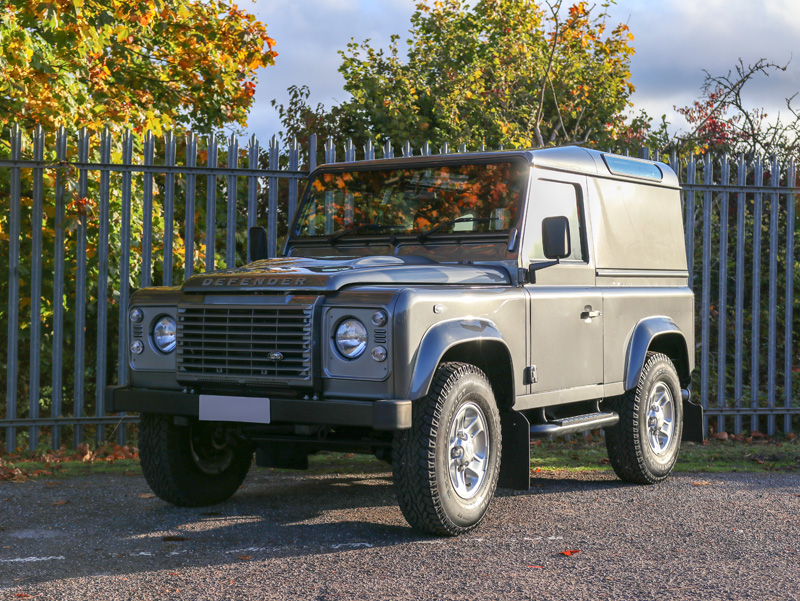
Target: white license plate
point(221, 408)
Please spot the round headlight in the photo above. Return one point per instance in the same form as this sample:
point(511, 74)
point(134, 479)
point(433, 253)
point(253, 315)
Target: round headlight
point(351, 338)
point(164, 334)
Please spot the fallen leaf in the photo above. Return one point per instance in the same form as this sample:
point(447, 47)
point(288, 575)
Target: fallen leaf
point(569, 552)
point(174, 574)
point(61, 502)
point(702, 483)
point(53, 483)
point(604, 461)
point(539, 567)
point(22, 595)
point(720, 436)
point(244, 557)
point(173, 539)
point(146, 495)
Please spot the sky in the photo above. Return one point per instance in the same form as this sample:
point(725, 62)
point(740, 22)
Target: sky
point(674, 41)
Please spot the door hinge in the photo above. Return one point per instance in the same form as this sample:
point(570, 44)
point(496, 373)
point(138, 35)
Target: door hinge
point(530, 375)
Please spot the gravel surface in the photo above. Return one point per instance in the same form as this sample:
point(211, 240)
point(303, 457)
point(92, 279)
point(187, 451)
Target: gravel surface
point(287, 536)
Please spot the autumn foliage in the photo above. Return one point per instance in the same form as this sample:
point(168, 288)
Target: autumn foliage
point(148, 64)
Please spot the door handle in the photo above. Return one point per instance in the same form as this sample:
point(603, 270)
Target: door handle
point(587, 315)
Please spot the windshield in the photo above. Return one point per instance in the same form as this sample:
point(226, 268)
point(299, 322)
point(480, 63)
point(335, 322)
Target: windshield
point(483, 197)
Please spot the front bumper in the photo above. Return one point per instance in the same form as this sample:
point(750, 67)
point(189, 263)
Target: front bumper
point(379, 415)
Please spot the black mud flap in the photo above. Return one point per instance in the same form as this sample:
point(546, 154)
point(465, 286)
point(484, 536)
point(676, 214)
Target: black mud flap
point(692, 422)
point(515, 463)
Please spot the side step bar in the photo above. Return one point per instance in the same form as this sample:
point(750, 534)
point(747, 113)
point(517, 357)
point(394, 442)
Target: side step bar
point(579, 423)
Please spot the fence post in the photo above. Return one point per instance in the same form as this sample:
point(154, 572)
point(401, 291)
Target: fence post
point(147, 212)
point(189, 207)
point(13, 289)
point(722, 303)
point(772, 307)
point(755, 325)
point(36, 284)
point(230, 243)
point(294, 165)
point(102, 285)
point(58, 290)
point(791, 174)
point(349, 151)
point(252, 188)
point(741, 207)
point(79, 373)
point(272, 224)
point(211, 203)
point(705, 327)
point(169, 208)
point(125, 260)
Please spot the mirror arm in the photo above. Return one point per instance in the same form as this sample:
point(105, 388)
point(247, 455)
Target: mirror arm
point(534, 267)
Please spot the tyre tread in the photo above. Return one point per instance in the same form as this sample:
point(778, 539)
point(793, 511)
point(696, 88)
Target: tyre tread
point(625, 449)
point(415, 482)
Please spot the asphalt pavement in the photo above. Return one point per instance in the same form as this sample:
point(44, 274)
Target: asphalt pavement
point(287, 535)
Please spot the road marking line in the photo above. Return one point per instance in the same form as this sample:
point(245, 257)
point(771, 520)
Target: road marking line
point(27, 559)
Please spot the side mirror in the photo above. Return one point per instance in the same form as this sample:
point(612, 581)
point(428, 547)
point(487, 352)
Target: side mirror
point(555, 238)
point(257, 243)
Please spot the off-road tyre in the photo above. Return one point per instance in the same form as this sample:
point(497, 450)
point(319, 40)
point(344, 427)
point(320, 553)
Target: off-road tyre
point(422, 456)
point(170, 456)
point(630, 450)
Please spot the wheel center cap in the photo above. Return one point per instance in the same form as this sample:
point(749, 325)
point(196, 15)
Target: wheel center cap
point(469, 450)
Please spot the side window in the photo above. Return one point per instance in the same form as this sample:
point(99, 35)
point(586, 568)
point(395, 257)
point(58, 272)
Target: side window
point(552, 199)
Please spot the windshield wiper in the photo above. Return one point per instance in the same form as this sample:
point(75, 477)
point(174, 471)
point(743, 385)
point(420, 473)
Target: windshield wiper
point(424, 235)
point(355, 228)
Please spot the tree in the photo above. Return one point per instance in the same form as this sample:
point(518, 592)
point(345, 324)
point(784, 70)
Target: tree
point(147, 64)
point(502, 72)
point(721, 121)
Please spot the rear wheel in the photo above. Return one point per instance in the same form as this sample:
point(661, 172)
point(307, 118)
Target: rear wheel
point(191, 466)
point(446, 465)
point(643, 447)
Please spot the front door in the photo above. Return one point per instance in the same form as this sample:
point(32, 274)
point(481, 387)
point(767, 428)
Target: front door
point(566, 310)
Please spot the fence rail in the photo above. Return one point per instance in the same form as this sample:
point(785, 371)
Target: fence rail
point(90, 217)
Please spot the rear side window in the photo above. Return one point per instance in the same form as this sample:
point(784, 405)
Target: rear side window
point(553, 199)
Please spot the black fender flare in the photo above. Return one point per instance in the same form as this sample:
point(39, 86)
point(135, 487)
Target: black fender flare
point(438, 340)
point(644, 333)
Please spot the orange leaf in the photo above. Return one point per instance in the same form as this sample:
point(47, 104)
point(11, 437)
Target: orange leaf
point(146, 495)
point(541, 567)
point(569, 552)
point(702, 483)
point(244, 557)
point(61, 502)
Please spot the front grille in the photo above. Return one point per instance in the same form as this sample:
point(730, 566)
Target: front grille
point(248, 345)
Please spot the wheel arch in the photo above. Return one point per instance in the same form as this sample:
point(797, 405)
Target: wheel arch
point(660, 335)
point(477, 342)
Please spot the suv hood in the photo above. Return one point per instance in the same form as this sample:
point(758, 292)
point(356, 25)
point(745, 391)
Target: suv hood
point(321, 273)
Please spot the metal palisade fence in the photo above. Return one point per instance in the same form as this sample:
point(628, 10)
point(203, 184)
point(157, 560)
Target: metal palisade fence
point(87, 218)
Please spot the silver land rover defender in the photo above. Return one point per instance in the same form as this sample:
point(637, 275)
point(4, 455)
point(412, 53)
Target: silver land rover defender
point(438, 312)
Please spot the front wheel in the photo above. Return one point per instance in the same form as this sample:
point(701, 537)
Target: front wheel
point(446, 465)
point(643, 446)
point(191, 466)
